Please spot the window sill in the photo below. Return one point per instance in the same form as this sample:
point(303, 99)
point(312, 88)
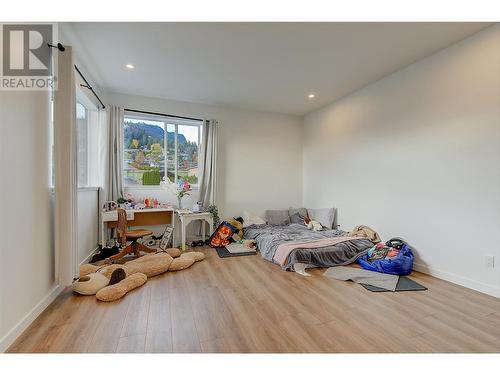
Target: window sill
point(88, 188)
point(153, 187)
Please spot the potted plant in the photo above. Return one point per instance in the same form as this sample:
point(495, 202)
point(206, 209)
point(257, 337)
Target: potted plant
point(121, 202)
point(215, 214)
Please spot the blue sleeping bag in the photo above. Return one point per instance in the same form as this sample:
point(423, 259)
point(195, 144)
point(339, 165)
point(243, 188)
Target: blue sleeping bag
point(402, 264)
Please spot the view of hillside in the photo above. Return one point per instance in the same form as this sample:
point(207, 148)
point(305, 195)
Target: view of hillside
point(145, 150)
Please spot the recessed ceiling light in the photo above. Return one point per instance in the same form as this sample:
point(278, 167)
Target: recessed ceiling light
point(129, 66)
point(311, 96)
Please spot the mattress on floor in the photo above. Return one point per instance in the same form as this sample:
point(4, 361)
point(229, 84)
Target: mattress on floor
point(269, 237)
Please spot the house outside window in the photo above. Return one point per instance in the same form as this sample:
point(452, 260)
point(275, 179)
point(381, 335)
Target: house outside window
point(158, 146)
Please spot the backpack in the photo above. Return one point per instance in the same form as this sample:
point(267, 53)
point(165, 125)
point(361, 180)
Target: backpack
point(401, 264)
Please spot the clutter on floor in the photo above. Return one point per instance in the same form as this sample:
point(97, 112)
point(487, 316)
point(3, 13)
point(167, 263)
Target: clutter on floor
point(241, 247)
point(198, 243)
point(236, 251)
point(373, 281)
point(165, 238)
point(366, 232)
point(105, 253)
point(112, 282)
point(228, 239)
point(361, 276)
point(230, 230)
point(393, 257)
point(300, 268)
point(222, 235)
point(405, 284)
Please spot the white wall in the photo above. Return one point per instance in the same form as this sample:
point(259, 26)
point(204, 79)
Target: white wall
point(259, 162)
point(417, 155)
point(26, 248)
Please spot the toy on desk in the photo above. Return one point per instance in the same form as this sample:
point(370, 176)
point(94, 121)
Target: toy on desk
point(197, 207)
point(110, 206)
point(128, 201)
point(129, 197)
point(151, 202)
point(121, 202)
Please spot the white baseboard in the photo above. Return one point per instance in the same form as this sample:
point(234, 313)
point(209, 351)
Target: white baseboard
point(16, 331)
point(91, 254)
point(492, 290)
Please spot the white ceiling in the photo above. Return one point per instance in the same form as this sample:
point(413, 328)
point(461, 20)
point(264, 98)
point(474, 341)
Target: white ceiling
point(259, 66)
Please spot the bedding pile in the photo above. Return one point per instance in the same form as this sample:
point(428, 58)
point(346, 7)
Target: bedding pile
point(287, 245)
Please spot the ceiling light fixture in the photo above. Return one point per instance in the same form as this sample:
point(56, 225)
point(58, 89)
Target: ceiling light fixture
point(311, 96)
point(129, 66)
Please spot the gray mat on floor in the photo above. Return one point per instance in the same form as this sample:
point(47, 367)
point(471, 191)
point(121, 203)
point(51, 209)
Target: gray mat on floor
point(404, 284)
point(362, 276)
point(224, 253)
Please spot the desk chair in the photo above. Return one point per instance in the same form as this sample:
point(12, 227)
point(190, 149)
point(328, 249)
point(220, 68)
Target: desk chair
point(124, 235)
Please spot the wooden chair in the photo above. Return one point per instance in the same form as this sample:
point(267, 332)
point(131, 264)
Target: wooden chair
point(124, 235)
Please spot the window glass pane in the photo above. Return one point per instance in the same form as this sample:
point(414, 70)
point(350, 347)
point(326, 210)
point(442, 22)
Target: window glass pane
point(144, 152)
point(82, 120)
point(171, 152)
point(187, 153)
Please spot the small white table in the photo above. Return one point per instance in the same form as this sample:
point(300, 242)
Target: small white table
point(186, 217)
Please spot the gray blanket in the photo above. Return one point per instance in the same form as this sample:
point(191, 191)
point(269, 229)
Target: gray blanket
point(361, 276)
point(269, 237)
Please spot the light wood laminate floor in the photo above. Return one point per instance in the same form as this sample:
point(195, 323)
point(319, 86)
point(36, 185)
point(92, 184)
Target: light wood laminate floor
point(245, 304)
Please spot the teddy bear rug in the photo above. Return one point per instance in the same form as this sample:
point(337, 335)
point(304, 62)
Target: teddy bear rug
point(111, 282)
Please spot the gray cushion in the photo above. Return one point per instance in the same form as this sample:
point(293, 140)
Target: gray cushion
point(297, 218)
point(325, 216)
point(301, 211)
point(278, 217)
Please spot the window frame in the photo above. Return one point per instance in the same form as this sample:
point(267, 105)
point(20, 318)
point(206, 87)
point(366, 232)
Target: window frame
point(166, 120)
point(89, 106)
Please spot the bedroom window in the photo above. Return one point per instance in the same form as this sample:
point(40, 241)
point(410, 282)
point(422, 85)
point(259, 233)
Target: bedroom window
point(82, 131)
point(87, 135)
point(159, 146)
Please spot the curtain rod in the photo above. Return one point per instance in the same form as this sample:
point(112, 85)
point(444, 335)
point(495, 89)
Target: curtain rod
point(87, 85)
point(163, 114)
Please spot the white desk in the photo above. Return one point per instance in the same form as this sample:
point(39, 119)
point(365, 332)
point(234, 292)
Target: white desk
point(186, 218)
point(135, 218)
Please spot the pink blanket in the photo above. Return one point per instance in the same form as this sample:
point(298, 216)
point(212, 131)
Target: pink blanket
point(285, 249)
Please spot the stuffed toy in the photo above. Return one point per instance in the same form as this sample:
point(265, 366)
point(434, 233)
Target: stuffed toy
point(237, 222)
point(113, 281)
point(312, 224)
point(228, 231)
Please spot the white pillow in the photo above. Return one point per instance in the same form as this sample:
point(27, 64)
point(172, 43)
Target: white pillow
point(324, 216)
point(251, 219)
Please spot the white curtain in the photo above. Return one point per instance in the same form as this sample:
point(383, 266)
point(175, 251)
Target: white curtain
point(114, 185)
point(208, 158)
point(65, 166)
